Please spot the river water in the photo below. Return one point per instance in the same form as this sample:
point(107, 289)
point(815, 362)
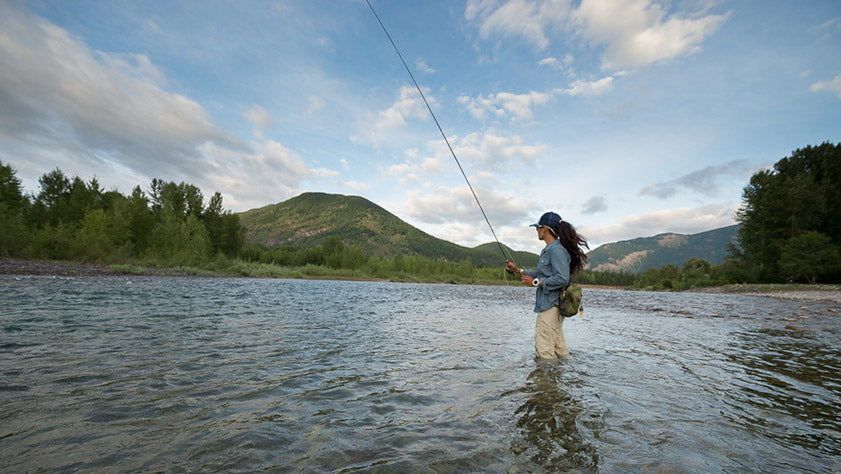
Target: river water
point(194, 374)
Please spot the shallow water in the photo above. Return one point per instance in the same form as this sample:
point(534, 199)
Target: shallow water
point(191, 374)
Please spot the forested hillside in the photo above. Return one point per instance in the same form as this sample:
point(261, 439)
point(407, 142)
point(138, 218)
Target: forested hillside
point(73, 219)
point(791, 218)
point(640, 254)
point(313, 218)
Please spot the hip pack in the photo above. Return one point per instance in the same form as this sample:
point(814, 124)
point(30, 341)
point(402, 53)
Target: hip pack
point(570, 301)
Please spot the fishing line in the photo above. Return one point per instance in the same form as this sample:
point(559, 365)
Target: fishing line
point(498, 243)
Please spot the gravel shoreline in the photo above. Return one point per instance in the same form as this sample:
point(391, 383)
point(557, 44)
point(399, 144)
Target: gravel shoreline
point(11, 266)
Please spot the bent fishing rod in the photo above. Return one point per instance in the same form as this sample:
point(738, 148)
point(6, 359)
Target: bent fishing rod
point(435, 119)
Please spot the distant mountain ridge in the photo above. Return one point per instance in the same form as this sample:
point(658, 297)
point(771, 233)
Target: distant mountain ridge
point(640, 254)
point(311, 218)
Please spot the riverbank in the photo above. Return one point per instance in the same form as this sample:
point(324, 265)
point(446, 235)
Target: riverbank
point(789, 291)
point(11, 266)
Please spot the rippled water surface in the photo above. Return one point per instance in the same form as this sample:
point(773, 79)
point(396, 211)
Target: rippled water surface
point(189, 374)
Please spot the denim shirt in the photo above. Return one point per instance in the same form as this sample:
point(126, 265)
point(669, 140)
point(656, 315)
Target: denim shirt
point(553, 272)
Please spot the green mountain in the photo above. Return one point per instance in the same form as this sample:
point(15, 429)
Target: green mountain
point(638, 255)
point(311, 218)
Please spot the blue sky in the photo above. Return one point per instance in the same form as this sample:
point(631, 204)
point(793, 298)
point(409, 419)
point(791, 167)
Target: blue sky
point(627, 117)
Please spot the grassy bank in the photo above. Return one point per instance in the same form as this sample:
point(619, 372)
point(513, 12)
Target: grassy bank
point(241, 268)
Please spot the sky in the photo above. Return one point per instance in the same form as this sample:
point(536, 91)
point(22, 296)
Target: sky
point(629, 118)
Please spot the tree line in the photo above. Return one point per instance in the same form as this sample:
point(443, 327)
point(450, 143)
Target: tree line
point(790, 231)
point(73, 219)
point(791, 220)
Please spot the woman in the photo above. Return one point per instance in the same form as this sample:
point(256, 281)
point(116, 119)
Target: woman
point(560, 258)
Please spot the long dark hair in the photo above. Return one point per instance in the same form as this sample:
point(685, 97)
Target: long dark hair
point(573, 243)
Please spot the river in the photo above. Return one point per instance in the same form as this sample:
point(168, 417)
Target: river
point(216, 374)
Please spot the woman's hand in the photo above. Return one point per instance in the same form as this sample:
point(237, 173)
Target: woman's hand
point(511, 267)
point(527, 280)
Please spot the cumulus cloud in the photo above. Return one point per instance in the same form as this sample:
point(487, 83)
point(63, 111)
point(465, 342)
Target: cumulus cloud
point(408, 105)
point(421, 65)
point(55, 92)
point(556, 63)
point(684, 220)
point(634, 32)
point(833, 86)
point(703, 181)
point(491, 151)
point(271, 170)
point(520, 107)
point(529, 19)
point(442, 205)
point(62, 104)
point(589, 88)
point(480, 154)
point(354, 185)
point(640, 32)
point(260, 120)
point(504, 104)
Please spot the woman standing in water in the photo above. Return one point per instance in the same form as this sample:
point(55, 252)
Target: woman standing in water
point(560, 258)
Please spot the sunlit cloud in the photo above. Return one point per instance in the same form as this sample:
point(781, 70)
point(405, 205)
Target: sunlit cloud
point(527, 19)
point(589, 88)
point(634, 32)
point(504, 105)
point(683, 220)
point(640, 32)
point(833, 86)
point(409, 105)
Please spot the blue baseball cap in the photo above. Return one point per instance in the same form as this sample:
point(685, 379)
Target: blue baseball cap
point(550, 219)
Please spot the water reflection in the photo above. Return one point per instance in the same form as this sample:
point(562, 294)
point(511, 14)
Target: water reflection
point(550, 423)
point(786, 388)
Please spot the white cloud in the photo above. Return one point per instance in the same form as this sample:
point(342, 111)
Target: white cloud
point(439, 205)
point(556, 63)
point(491, 151)
point(682, 220)
point(260, 120)
point(323, 173)
point(639, 32)
point(273, 170)
point(520, 107)
point(56, 93)
point(355, 186)
point(833, 86)
point(479, 153)
point(529, 19)
point(594, 88)
point(409, 104)
point(635, 32)
point(505, 104)
point(423, 67)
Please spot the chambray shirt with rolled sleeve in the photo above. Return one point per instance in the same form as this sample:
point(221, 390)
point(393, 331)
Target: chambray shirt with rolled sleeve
point(553, 272)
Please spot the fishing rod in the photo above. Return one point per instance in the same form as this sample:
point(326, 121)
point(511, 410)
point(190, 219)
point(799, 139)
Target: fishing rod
point(434, 118)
